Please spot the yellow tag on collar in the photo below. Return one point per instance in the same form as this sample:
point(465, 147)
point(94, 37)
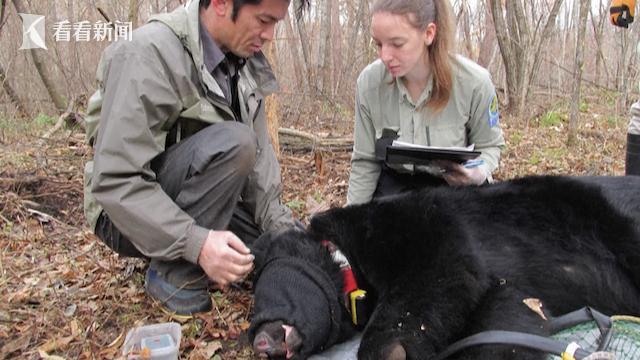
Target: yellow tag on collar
point(569, 352)
point(354, 297)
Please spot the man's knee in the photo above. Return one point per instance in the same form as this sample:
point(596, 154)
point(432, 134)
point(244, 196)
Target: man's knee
point(236, 140)
point(245, 146)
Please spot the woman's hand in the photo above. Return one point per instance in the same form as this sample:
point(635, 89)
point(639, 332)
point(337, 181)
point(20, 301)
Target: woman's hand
point(457, 175)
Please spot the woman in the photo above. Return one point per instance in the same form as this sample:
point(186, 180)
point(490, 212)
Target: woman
point(420, 93)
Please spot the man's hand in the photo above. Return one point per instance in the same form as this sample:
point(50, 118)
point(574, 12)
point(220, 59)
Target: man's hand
point(225, 258)
point(457, 175)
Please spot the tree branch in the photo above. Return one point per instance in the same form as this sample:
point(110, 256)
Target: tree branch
point(105, 16)
point(3, 9)
point(302, 140)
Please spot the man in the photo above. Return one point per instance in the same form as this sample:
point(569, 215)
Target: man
point(183, 171)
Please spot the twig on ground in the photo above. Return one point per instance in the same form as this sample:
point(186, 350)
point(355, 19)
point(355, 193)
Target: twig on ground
point(308, 141)
point(215, 304)
point(46, 217)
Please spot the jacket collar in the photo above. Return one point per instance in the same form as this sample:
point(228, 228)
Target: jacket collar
point(185, 23)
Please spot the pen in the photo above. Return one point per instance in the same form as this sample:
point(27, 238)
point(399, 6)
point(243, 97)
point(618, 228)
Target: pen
point(428, 136)
point(470, 164)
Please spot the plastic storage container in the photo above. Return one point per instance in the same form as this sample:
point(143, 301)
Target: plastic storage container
point(156, 342)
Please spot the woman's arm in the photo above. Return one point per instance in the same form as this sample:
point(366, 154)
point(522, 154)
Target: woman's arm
point(484, 125)
point(365, 169)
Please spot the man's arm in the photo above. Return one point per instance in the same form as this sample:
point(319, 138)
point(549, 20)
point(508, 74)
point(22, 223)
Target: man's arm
point(138, 100)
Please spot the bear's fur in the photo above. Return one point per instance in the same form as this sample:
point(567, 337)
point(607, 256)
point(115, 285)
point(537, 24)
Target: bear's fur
point(445, 263)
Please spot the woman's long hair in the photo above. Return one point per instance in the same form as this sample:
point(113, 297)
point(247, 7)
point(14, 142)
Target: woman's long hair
point(421, 13)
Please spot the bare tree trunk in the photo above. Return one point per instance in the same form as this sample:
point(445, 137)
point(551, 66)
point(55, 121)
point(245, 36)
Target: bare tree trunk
point(366, 30)
point(71, 51)
point(488, 42)
point(508, 56)
point(49, 84)
point(272, 107)
point(628, 71)
point(13, 96)
point(355, 24)
point(304, 45)
point(133, 13)
point(543, 39)
point(598, 31)
point(336, 48)
point(324, 48)
point(519, 28)
point(464, 22)
point(520, 47)
point(300, 79)
point(11, 93)
point(3, 8)
point(577, 71)
point(621, 73)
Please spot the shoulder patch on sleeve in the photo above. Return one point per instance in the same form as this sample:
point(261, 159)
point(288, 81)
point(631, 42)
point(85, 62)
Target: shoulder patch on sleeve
point(494, 115)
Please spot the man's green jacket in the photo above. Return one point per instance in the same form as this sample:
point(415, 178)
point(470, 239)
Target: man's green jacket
point(156, 90)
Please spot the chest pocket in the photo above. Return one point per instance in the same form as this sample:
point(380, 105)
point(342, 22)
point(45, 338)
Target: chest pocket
point(193, 119)
point(203, 111)
point(254, 106)
point(448, 134)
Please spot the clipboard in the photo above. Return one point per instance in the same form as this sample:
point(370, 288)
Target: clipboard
point(424, 156)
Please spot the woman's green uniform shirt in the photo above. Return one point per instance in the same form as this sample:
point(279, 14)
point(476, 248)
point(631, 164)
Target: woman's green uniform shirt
point(470, 117)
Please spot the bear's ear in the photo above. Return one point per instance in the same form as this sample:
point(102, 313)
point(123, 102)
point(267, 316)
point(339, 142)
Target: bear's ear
point(339, 225)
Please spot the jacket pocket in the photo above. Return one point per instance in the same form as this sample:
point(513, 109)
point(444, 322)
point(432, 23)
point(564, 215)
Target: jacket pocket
point(250, 113)
point(202, 110)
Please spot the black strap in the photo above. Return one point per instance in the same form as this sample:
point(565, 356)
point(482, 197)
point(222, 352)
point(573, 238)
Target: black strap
point(580, 316)
point(537, 342)
point(618, 9)
point(500, 337)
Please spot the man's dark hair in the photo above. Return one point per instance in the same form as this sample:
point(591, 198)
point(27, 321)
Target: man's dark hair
point(238, 4)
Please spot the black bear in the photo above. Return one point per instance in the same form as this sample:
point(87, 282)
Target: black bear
point(445, 263)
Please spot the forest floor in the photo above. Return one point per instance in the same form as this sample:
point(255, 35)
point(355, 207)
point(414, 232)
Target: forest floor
point(64, 294)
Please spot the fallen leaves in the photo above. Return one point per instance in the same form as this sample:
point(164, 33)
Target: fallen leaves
point(45, 356)
point(205, 350)
point(55, 344)
point(19, 344)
